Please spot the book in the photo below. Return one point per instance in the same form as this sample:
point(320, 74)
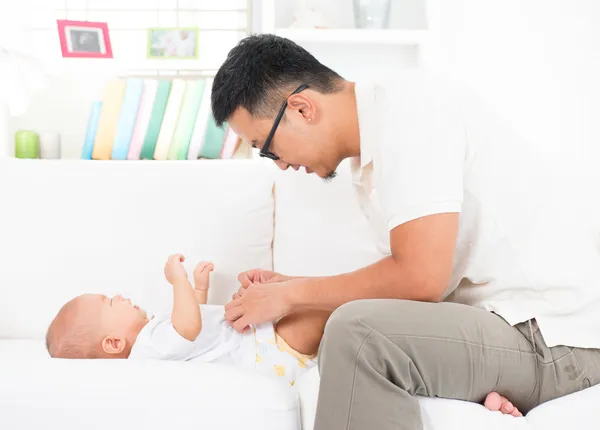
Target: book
point(170, 119)
point(213, 139)
point(109, 118)
point(127, 118)
point(201, 122)
point(159, 107)
point(143, 119)
point(180, 143)
point(230, 143)
point(92, 127)
point(243, 151)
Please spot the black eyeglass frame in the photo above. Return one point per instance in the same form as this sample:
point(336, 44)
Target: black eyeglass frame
point(264, 151)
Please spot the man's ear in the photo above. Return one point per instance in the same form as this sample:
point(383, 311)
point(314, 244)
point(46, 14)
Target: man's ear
point(113, 345)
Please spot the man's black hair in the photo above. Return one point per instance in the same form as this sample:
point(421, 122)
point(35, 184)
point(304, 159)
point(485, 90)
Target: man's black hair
point(261, 71)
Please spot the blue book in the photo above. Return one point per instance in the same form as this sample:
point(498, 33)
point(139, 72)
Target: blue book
point(127, 118)
point(92, 127)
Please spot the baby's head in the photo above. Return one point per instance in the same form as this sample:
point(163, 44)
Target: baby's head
point(95, 326)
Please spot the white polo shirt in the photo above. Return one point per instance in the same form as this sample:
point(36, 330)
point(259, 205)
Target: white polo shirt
point(428, 147)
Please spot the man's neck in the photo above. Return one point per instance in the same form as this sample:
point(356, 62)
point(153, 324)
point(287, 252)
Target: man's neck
point(345, 129)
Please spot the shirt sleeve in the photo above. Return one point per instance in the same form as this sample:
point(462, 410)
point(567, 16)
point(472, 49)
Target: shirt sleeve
point(160, 341)
point(422, 153)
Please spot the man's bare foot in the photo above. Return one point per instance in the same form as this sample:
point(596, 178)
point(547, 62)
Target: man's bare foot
point(496, 402)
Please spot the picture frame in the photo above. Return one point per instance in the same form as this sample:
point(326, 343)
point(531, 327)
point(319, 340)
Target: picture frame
point(173, 43)
point(84, 39)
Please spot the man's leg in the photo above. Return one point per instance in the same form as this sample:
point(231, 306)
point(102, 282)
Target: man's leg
point(303, 330)
point(377, 355)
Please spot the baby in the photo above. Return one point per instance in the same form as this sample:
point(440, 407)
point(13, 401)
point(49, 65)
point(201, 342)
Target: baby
point(96, 326)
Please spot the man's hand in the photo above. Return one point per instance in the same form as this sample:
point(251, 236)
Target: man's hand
point(174, 270)
point(261, 303)
point(257, 276)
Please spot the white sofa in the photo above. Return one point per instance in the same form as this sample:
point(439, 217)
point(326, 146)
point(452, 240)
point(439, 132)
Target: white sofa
point(71, 226)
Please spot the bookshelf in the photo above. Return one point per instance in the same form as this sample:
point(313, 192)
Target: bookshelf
point(72, 84)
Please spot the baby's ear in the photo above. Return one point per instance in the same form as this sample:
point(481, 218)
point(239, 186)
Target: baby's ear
point(113, 345)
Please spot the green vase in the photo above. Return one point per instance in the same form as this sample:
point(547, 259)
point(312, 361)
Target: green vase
point(27, 144)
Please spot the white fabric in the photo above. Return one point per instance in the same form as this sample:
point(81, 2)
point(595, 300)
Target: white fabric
point(218, 342)
point(522, 250)
point(72, 227)
point(37, 392)
point(319, 228)
point(575, 411)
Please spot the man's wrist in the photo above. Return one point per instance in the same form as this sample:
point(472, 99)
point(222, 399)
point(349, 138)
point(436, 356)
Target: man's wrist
point(298, 296)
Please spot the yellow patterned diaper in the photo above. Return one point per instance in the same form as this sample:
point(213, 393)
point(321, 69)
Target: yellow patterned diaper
point(274, 357)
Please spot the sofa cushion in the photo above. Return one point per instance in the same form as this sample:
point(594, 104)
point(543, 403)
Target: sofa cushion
point(45, 393)
point(69, 227)
point(575, 411)
point(319, 227)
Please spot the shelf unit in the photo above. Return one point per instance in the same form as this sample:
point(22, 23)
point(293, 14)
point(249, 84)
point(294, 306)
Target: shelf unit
point(352, 52)
point(73, 83)
point(356, 37)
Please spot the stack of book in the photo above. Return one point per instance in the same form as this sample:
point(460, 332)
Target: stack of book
point(158, 119)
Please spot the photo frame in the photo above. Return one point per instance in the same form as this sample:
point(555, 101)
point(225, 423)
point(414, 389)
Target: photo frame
point(84, 39)
point(173, 43)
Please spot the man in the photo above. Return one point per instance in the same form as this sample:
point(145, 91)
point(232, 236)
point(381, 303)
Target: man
point(463, 211)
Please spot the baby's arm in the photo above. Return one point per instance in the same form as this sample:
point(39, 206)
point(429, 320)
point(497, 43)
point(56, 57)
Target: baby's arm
point(202, 281)
point(186, 316)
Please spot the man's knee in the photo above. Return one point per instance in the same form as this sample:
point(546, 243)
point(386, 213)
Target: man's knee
point(347, 316)
point(351, 322)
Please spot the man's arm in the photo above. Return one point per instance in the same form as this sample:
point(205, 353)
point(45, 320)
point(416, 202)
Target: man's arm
point(418, 269)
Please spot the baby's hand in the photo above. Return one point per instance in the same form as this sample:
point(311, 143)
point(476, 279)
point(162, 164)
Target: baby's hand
point(174, 270)
point(201, 275)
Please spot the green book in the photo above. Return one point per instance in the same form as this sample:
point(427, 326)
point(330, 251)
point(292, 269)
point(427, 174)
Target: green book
point(213, 139)
point(180, 143)
point(156, 119)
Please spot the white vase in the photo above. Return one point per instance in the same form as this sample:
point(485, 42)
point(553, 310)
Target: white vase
point(372, 14)
point(50, 145)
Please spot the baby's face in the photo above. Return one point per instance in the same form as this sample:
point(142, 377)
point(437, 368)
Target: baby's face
point(117, 314)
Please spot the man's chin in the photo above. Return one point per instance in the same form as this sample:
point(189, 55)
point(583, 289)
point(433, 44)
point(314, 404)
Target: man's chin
point(330, 177)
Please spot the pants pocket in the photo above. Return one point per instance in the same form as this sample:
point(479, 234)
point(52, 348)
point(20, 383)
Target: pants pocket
point(563, 376)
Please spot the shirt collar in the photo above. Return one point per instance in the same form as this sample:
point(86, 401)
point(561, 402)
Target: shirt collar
point(365, 105)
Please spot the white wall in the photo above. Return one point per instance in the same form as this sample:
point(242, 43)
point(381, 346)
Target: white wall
point(538, 61)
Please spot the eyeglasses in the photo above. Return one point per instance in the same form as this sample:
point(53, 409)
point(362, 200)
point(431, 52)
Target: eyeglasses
point(264, 151)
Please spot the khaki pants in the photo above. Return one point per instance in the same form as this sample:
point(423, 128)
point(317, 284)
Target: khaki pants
point(376, 355)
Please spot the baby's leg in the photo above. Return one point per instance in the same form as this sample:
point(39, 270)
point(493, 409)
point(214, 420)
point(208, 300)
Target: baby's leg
point(303, 330)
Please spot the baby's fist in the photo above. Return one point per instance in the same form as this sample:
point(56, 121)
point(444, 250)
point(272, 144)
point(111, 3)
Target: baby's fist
point(202, 273)
point(174, 270)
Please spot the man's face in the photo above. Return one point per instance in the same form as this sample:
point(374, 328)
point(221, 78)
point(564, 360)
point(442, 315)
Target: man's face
point(295, 142)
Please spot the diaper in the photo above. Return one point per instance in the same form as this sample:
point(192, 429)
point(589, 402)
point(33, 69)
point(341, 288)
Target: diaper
point(274, 357)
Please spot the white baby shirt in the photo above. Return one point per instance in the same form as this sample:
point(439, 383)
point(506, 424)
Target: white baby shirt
point(217, 342)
